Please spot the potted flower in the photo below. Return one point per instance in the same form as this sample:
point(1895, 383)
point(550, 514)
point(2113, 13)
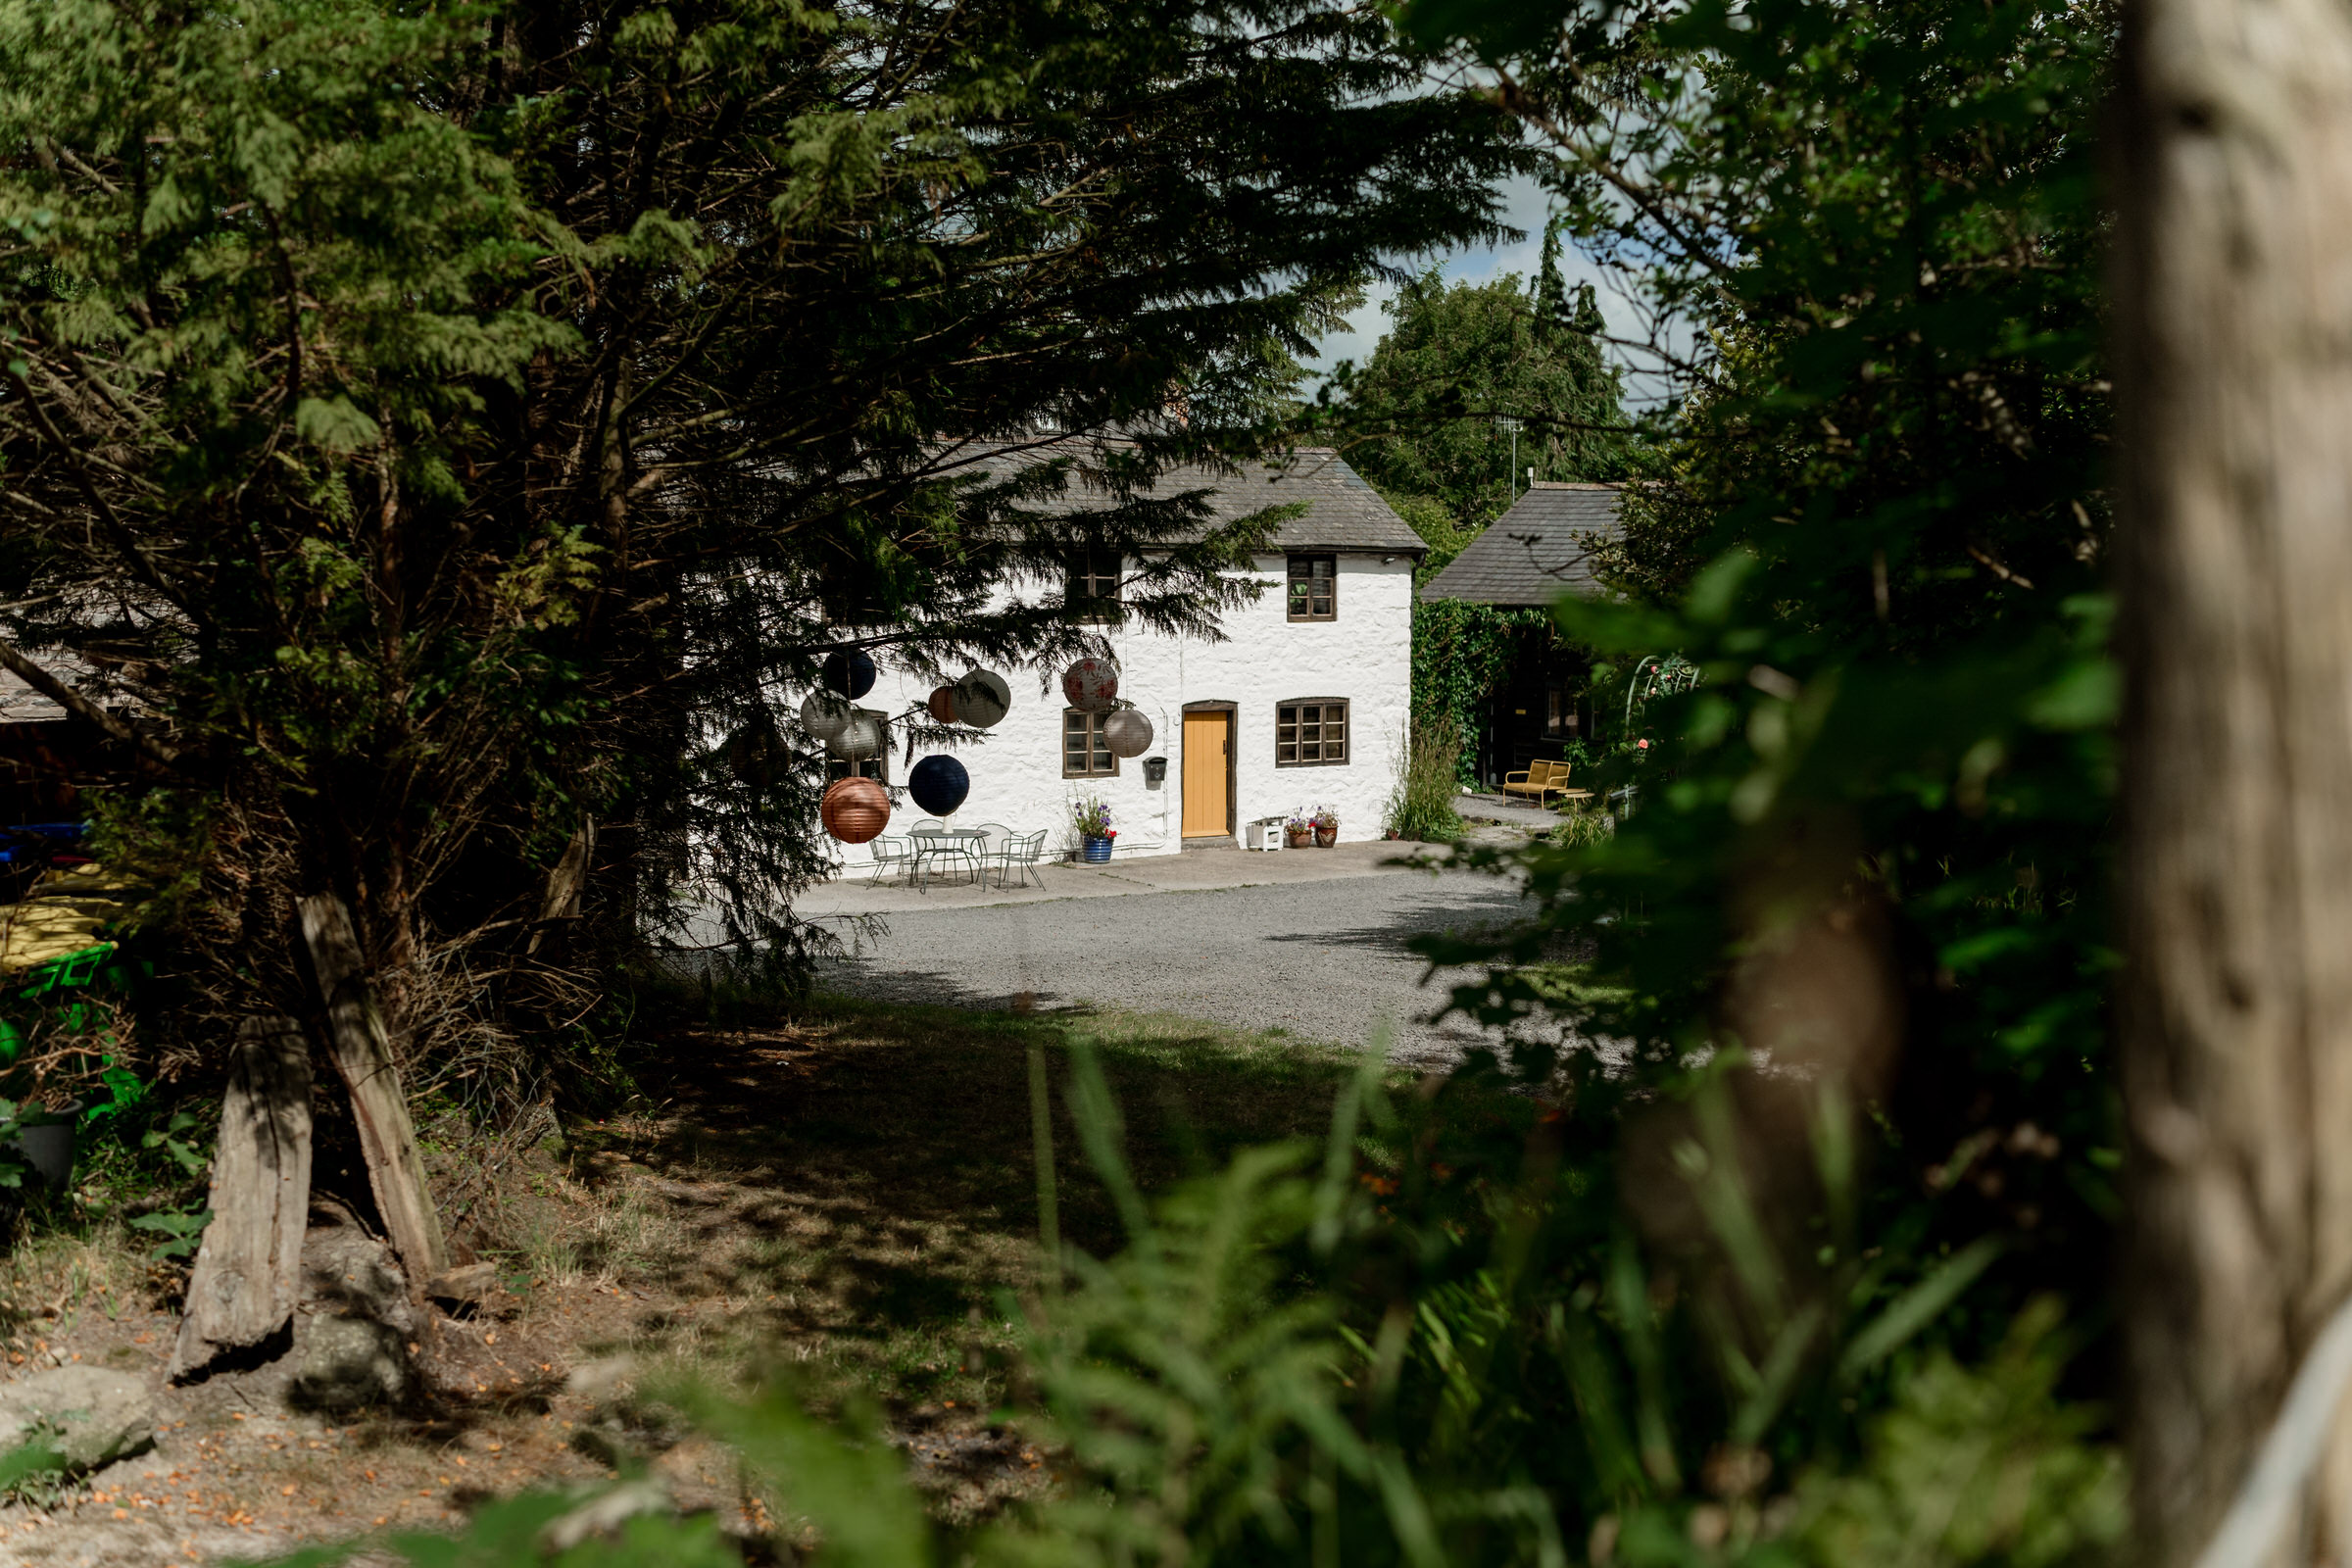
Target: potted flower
point(1091, 819)
point(1327, 827)
point(1299, 830)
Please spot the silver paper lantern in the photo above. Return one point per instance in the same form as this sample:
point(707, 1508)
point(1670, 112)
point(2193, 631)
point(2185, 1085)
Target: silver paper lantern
point(862, 735)
point(1127, 732)
point(823, 716)
point(982, 699)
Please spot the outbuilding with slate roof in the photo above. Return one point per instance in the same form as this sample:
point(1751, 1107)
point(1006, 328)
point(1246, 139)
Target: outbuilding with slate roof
point(1527, 559)
point(1302, 702)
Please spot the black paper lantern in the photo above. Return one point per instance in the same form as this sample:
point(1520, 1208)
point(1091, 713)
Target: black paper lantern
point(852, 674)
point(939, 785)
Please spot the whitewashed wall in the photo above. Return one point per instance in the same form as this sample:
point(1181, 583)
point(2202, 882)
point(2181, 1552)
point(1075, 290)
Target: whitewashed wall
point(1364, 655)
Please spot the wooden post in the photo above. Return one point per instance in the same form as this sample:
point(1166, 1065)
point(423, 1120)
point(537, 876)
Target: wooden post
point(566, 883)
point(363, 1054)
point(247, 1274)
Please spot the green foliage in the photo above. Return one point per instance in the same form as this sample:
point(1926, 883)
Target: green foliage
point(1418, 421)
point(458, 494)
point(1419, 417)
point(1582, 827)
point(1432, 1340)
point(1422, 807)
point(33, 1472)
point(1462, 652)
point(1876, 529)
point(182, 1232)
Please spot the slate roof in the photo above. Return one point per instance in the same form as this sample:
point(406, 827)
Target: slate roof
point(1343, 513)
point(20, 704)
point(1534, 552)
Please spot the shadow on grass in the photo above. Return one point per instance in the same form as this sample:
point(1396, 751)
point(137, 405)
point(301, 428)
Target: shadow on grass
point(865, 1172)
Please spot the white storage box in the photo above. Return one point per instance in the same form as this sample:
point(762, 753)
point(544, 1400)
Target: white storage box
point(1266, 833)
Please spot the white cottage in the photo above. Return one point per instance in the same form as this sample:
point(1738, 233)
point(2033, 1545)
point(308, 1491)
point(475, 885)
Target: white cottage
point(1303, 703)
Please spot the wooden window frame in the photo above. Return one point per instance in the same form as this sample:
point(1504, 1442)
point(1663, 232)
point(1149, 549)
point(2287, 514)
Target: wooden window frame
point(1296, 724)
point(1293, 577)
point(875, 768)
point(1097, 746)
point(1090, 590)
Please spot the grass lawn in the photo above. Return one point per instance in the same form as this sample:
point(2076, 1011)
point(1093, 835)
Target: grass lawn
point(856, 1183)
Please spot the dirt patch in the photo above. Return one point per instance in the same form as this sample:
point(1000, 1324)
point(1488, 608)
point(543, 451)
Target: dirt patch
point(844, 1202)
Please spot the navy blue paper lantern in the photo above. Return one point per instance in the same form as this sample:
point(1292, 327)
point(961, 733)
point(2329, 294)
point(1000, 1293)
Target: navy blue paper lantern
point(852, 673)
point(939, 785)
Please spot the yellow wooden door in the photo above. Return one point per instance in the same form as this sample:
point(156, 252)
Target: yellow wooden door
point(1207, 739)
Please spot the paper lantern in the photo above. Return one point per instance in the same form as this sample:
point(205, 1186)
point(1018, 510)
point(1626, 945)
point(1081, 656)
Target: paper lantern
point(854, 809)
point(943, 704)
point(1127, 732)
point(1091, 685)
point(852, 674)
point(939, 785)
point(982, 699)
point(823, 716)
point(861, 735)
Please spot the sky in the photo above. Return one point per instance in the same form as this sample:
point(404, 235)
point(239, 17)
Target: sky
point(1524, 209)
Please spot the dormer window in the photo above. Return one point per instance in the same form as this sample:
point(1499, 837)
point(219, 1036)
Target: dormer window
point(1314, 588)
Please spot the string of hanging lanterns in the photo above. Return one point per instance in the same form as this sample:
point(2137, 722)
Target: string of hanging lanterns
point(855, 809)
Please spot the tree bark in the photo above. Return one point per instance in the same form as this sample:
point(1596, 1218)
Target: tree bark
point(362, 1055)
point(248, 1271)
point(2233, 365)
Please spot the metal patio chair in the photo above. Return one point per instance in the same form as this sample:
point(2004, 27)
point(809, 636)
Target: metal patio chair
point(1020, 853)
point(891, 856)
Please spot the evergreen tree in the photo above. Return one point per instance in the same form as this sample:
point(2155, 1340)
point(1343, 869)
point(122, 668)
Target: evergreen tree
point(464, 427)
point(1423, 415)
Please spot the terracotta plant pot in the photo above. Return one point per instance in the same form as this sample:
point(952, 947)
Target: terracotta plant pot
point(1326, 837)
point(1299, 837)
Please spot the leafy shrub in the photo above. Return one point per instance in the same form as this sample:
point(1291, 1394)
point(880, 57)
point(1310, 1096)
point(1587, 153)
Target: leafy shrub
point(1435, 1340)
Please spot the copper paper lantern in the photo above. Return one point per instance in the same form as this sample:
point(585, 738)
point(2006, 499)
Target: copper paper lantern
point(824, 715)
point(862, 735)
point(1127, 732)
point(982, 699)
point(943, 704)
point(1091, 685)
point(855, 809)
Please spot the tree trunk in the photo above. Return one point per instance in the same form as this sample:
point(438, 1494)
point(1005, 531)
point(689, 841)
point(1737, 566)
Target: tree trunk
point(2233, 365)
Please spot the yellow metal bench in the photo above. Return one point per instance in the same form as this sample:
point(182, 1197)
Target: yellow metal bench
point(1543, 780)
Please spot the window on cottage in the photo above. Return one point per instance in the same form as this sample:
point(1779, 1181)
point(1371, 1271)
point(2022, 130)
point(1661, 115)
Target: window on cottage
point(1094, 585)
point(876, 766)
point(1085, 753)
point(1314, 588)
point(1311, 732)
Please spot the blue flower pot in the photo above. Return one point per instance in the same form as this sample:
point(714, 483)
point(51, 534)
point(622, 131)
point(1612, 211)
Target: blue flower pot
point(1097, 851)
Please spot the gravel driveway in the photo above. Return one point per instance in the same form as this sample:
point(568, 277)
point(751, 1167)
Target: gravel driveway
point(1325, 961)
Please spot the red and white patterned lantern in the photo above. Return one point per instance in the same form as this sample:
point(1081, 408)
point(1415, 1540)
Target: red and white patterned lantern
point(943, 704)
point(1092, 686)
